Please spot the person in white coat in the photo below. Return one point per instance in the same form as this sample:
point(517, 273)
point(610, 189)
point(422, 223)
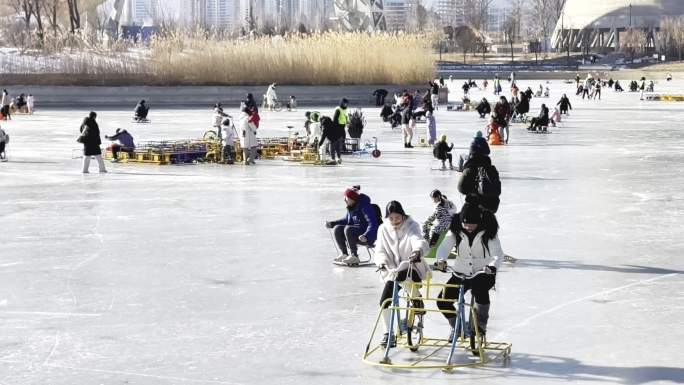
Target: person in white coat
point(248, 139)
point(473, 233)
point(228, 138)
point(29, 102)
point(399, 252)
point(271, 96)
point(218, 118)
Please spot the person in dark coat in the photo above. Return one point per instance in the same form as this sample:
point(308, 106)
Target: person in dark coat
point(442, 152)
point(528, 93)
point(358, 227)
point(380, 95)
point(478, 159)
point(251, 103)
point(564, 104)
point(502, 114)
point(483, 108)
point(434, 93)
point(523, 106)
point(540, 121)
point(141, 111)
point(125, 143)
point(90, 138)
point(334, 133)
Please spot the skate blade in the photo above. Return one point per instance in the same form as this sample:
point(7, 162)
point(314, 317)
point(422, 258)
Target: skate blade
point(360, 264)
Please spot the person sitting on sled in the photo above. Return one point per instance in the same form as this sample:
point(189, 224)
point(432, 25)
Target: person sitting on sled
point(358, 227)
point(141, 111)
point(440, 219)
point(399, 255)
point(442, 151)
point(494, 133)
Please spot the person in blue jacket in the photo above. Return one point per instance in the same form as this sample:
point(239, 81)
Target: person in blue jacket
point(358, 227)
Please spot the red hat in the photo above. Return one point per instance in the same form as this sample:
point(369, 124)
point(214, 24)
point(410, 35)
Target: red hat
point(352, 193)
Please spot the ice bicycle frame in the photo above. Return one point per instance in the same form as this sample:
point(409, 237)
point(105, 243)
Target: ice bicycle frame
point(435, 345)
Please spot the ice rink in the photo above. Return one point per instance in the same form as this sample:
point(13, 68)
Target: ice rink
point(211, 274)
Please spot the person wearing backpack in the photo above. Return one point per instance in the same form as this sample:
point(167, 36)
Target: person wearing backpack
point(473, 232)
point(358, 227)
point(479, 181)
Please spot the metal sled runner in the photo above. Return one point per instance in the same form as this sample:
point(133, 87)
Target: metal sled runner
point(414, 350)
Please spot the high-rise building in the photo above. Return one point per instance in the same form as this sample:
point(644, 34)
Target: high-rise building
point(144, 11)
point(397, 14)
point(496, 18)
point(219, 14)
point(451, 12)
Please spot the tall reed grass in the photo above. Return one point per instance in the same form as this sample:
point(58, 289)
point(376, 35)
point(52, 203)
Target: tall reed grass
point(328, 58)
point(190, 58)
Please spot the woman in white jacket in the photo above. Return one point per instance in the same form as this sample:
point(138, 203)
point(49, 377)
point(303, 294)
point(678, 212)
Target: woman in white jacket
point(398, 253)
point(473, 232)
point(248, 132)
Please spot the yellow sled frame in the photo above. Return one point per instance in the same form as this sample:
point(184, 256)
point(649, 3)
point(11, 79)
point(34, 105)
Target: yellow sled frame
point(428, 350)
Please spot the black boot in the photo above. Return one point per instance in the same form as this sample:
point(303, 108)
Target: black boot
point(392, 341)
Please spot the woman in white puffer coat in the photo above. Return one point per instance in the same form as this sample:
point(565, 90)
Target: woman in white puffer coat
point(473, 232)
point(399, 252)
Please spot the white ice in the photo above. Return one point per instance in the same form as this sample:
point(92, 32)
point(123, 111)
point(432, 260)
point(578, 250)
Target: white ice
point(208, 274)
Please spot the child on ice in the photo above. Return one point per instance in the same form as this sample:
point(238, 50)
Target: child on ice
point(431, 127)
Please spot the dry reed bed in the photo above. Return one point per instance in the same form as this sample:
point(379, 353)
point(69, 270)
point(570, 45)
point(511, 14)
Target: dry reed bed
point(330, 58)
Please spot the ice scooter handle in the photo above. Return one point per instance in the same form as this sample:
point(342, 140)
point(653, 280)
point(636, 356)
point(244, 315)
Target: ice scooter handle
point(451, 270)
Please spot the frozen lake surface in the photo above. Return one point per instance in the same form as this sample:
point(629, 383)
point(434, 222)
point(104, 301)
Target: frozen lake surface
point(209, 274)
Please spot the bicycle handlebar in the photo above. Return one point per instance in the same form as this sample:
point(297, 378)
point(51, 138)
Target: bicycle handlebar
point(451, 270)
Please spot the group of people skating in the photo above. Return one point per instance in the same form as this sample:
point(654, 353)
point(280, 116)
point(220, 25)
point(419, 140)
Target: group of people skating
point(21, 104)
point(401, 245)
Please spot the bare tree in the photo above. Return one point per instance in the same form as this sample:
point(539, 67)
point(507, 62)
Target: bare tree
point(36, 8)
point(476, 12)
point(510, 31)
point(74, 15)
point(544, 16)
point(678, 36)
point(467, 39)
point(421, 16)
point(556, 7)
point(633, 41)
point(25, 9)
point(51, 10)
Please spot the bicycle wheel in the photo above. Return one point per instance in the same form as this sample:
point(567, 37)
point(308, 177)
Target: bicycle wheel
point(210, 135)
point(414, 328)
point(278, 107)
point(476, 339)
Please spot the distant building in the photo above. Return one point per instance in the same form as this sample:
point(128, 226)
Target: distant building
point(451, 12)
point(219, 14)
point(396, 14)
point(496, 18)
point(599, 24)
point(144, 11)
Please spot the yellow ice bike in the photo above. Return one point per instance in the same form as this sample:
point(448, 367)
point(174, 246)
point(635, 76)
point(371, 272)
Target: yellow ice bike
point(413, 349)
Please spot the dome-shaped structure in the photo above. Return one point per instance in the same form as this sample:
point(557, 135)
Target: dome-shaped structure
point(599, 23)
point(360, 15)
